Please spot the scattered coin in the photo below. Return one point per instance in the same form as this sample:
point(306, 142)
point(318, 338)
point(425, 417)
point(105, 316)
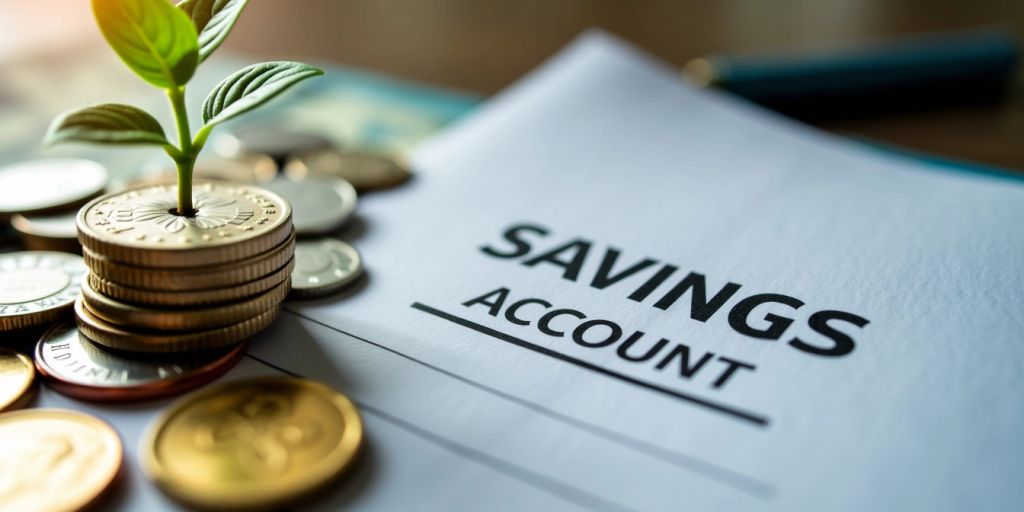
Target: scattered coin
point(267, 139)
point(131, 340)
point(17, 377)
point(190, 298)
point(130, 316)
point(53, 459)
point(37, 287)
point(232, 222)
point(320, 204)
point(192, 279)
point(77, 367)
point(260, 442)
point(47, 185)
point(364, 170)
point(51, 232)
point(246, 169)
point(323, 266)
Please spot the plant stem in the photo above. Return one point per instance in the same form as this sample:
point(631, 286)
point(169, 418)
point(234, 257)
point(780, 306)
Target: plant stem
point(187, 159)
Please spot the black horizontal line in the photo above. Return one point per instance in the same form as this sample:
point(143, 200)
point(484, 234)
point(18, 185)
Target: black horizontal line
point(728, 410)
point(739, 481)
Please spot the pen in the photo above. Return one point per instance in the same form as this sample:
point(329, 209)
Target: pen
point(959, 68)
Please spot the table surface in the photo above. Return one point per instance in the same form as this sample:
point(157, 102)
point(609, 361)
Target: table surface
point(483, 45)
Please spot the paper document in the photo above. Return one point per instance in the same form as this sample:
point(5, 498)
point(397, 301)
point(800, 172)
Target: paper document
point(610, 290)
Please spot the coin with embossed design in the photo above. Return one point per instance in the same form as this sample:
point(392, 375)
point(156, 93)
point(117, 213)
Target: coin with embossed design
point(324, 266)
point(54, 459)
point(259, 442)
point(17, 377)
point(37, 287)
point(75, 366)
point(141, 227)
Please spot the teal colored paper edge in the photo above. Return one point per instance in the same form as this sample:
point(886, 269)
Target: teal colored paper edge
point(454, 104)
point(943, 163)
point(451, 104)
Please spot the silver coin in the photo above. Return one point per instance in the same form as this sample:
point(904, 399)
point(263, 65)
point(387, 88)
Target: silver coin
point(246, 169)
point(267, 139)
point(76, 366)
point(320, 204)
point(54, 232)
point(38, 287)
point(323, 266)
point(364, 170)
point(47, 185)
point(60, 226)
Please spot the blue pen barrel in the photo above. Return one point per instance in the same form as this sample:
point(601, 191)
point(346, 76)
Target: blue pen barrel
point(919, 73)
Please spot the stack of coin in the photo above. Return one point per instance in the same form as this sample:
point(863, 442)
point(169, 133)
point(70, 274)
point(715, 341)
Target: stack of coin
point(40, 198)
point(163, 282)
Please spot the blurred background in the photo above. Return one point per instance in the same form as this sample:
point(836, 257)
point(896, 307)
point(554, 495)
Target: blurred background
point(480, 46)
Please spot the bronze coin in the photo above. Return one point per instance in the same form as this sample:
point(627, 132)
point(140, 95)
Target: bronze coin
point(77, 367)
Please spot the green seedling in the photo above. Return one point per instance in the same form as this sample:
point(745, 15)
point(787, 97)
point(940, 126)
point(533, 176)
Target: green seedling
point(164, 44)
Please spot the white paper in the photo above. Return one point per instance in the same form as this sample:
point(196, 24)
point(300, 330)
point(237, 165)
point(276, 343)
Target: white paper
point(605, 145)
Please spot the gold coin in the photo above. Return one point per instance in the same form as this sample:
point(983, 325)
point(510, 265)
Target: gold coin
point(191, 279)
point(37, 287)
point(17, 375)
point(259, 442)
point(364, 170)
point(176, 319)
point(190, 298)
point(53, 459)
point(130, 340)
point(54, 232)
point(231, 222)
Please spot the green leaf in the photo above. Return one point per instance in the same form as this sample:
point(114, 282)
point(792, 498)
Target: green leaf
point(154, 38)
point(214, 20)
point(106, 124)
point(252, 87)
